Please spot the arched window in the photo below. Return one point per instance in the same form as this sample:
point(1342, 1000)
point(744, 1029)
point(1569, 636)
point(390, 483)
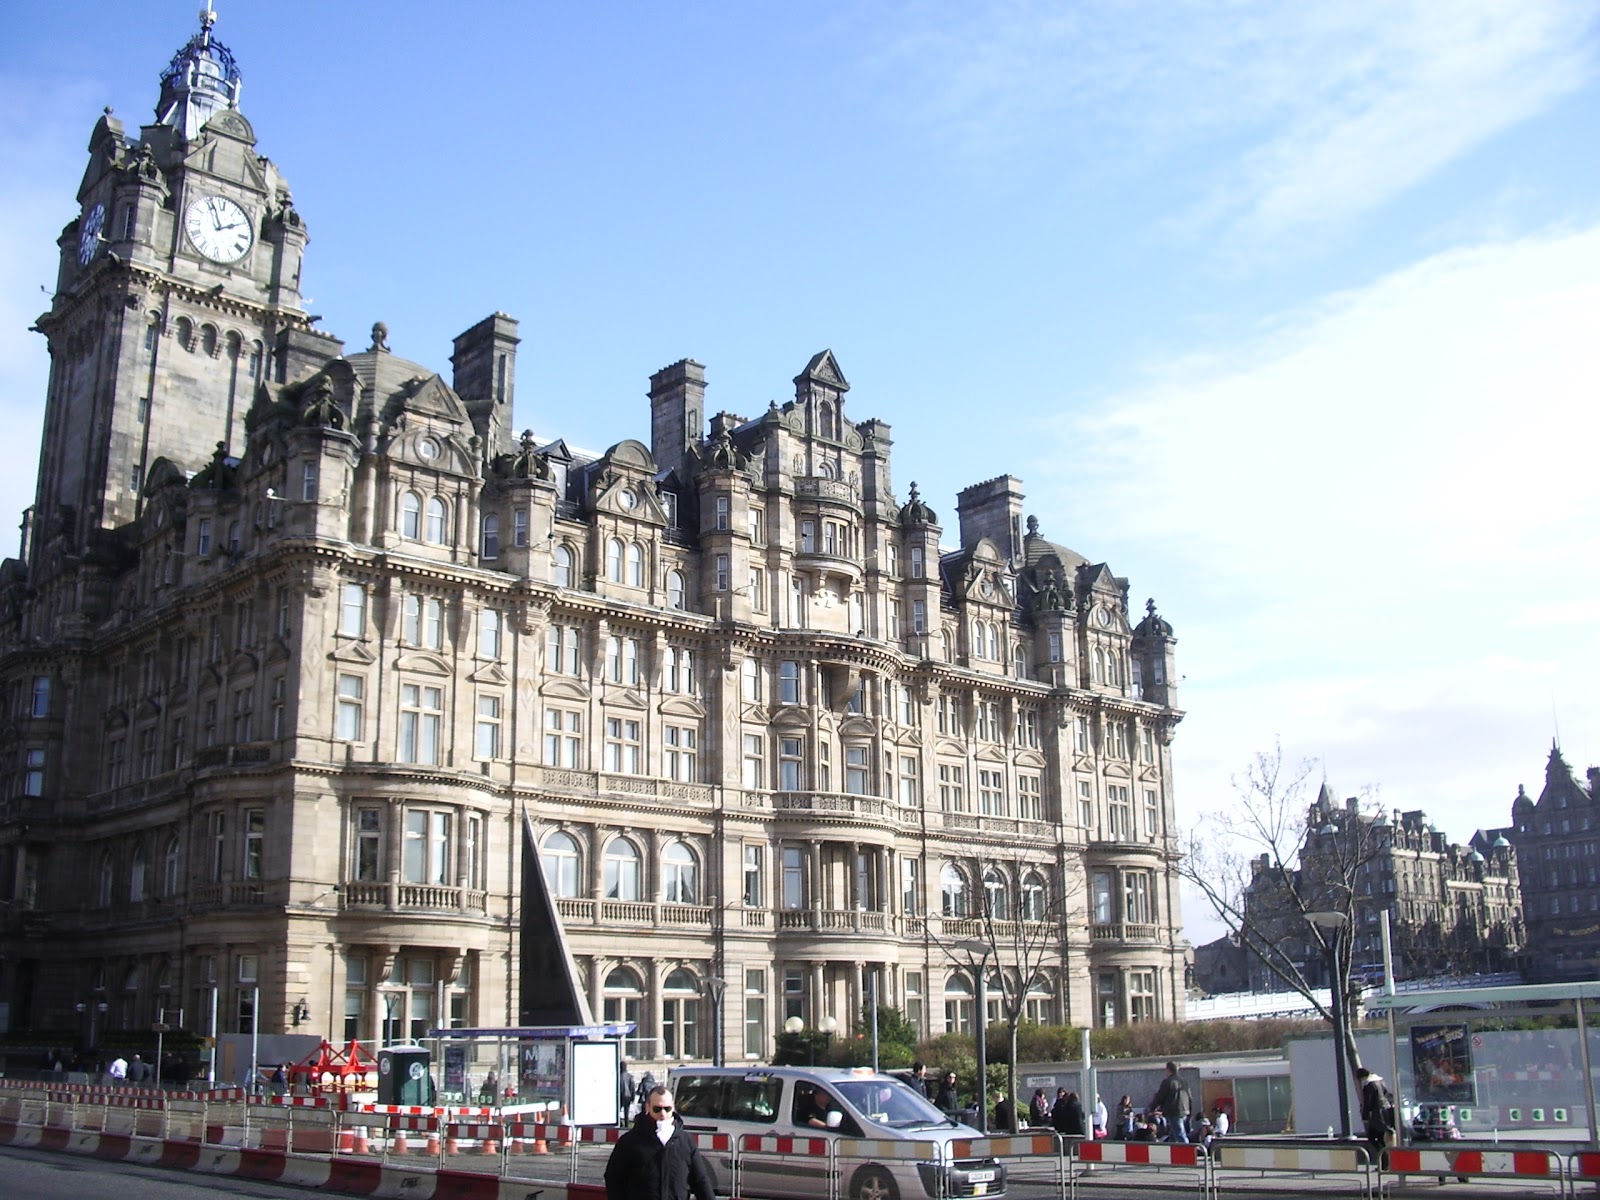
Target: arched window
point(1032, 897)
point(957, 1004)
point(622, 870)
point(185, 328)
point(680, 875)
point(491, 536)
point(977, 638)
point(996, 901)
point(677, 596)
point(636, 565)
point(1099, 665)
point(825, 419)
point(614, 560)
point(436, 521)
point(994, 643)
point(136, 875)
point(1019, 661)
point(953, 886)
point(566, 567)
point(411, 516)
point(108, 878)
point(680, 1015)
point(169, 869)
point(560, 858)
point(622, 998)
point(208, 339)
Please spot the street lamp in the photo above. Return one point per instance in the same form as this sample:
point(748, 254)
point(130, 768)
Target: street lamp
point(980, 1024)
point(92, 1007)
point(715, 986)
point(1333, 926)
point(829, 1026)
point(794, 1027)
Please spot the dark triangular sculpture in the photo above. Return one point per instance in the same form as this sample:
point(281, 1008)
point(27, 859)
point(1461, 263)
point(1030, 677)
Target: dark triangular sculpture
point(550, 992)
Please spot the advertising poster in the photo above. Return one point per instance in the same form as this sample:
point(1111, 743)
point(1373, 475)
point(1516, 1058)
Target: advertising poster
point(1441, 1064)
point(455, 1068)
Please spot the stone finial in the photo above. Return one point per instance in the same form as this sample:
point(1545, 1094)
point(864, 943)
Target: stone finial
point(380, 337)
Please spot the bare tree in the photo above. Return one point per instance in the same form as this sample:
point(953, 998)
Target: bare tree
point(1009, 932)
point(1283, 874)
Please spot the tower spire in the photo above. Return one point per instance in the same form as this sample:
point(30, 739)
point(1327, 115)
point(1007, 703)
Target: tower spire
point(201, 80)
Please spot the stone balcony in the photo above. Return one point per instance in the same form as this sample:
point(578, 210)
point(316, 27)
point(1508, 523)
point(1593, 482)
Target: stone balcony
point(412, 897)
point(1127, 934)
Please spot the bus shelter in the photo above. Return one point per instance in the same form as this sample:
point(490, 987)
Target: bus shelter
point(569, 1072)
point(1494, 1062)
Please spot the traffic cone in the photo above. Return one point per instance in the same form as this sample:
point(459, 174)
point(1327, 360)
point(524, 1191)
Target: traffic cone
point(358, 1142)
point(539, 1146)
point(433, 1143)
point(451, 1146)
point(490, 1146)
point(398, 1143)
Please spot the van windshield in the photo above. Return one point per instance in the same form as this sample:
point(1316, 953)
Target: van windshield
point(888, 1102)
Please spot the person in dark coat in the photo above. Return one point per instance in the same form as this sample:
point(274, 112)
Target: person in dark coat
point(657, 1159)
point(1067, 1115)
point(946, 1099)
point(1172, 1102)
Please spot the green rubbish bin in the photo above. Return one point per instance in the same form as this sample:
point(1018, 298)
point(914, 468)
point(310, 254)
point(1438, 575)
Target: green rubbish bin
point(403, 1076)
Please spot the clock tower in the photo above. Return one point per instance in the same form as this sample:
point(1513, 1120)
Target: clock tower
point(178, 294)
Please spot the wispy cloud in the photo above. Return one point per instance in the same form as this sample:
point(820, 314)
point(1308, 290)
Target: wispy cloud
point(1375, 526)
point(1266, 118)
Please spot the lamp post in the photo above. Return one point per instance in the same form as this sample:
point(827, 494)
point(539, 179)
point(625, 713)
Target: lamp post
point(829, 1026)
point(980, 1024)
point(1333, 926)
point(92, 1007)
point(715, 986)
point(794, 1027)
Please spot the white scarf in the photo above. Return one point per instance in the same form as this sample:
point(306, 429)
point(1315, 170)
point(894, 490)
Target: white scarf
point(664, 1130)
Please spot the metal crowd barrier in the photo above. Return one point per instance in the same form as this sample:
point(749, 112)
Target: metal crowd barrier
point(1464, 1162)
point(1268, 1156)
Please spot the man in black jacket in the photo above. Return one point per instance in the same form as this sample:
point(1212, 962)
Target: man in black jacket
point(1172, 1101)
point(657, 1159)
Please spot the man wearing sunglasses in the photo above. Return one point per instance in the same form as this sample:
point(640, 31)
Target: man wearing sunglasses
point(657, 1159)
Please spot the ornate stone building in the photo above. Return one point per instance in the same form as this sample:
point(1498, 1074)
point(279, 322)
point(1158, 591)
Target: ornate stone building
point(1558, 843)
point(297, 635)
point(1453, 909)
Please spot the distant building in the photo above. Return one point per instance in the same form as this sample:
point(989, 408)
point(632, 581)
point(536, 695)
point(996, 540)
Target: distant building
point(1454, 909)
point(1558, 845)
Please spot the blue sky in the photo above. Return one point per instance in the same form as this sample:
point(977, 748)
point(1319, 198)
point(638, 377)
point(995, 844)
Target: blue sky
point(1289, 312)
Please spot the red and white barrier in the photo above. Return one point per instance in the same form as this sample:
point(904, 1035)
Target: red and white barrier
point(1485, 1164)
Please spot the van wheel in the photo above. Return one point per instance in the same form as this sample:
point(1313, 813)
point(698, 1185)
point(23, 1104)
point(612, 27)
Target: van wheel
point(873, 1183)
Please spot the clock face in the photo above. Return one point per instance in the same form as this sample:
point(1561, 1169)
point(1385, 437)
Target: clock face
point(218, 228)
point(89, 234)
point(428, 448)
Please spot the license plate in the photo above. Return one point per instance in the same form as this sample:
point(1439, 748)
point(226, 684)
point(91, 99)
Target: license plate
point(981, 1177)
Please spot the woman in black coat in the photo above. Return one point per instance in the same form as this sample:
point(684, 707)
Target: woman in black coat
point(946, 1100)
point(1067, 1115)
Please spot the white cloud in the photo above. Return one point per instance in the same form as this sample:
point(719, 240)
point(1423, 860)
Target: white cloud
point(1282, 116)
point(1376, 529)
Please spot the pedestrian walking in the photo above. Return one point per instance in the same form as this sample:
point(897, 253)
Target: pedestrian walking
point(657, 1159)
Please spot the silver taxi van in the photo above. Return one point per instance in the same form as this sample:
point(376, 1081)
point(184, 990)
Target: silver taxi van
point(828, 1102)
